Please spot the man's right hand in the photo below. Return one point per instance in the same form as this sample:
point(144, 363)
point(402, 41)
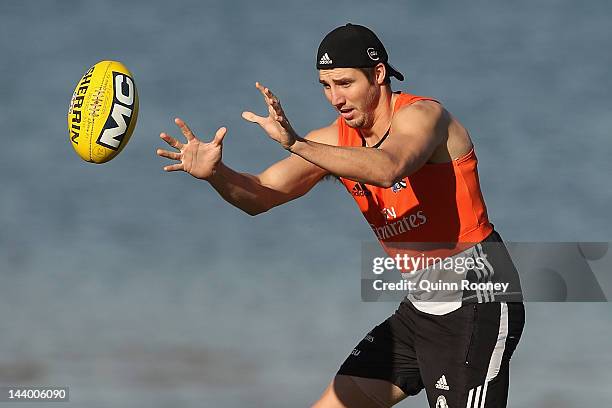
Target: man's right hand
point(197, 158)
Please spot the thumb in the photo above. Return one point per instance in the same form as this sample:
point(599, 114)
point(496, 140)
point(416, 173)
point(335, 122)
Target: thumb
point(253, 118)
point(219, 135)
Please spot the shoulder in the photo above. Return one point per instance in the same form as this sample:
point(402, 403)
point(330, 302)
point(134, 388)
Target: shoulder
point(422, 117)
point(327, 135)
point(421, 111)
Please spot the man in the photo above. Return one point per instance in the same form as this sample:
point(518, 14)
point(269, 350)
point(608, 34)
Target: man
point(411, 167)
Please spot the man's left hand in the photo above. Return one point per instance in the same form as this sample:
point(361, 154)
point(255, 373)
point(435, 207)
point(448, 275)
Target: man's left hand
point(275, 124)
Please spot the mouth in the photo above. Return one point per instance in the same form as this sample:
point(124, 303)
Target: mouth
point(347, 113)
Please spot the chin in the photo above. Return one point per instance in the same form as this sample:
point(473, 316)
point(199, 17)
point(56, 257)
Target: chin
point(356, 123)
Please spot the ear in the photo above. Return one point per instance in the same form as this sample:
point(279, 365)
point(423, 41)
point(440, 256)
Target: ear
point(380, 72)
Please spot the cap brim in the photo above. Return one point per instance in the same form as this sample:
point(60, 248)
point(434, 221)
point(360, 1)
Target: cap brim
point(394, 72)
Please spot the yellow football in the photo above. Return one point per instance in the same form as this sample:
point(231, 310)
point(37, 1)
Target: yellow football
point(103, 112)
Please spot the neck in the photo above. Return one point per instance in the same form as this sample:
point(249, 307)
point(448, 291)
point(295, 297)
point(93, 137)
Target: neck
point(381, 118)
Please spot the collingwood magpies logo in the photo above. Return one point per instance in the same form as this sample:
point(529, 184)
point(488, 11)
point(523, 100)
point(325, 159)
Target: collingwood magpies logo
point(399, 185)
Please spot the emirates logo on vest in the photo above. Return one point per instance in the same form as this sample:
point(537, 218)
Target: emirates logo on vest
point(401, 226)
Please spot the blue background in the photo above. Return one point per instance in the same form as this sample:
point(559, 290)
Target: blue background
point(138, 288)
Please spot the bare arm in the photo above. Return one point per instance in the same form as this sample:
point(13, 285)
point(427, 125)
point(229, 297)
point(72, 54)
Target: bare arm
point(283, 181)
point(415, 133)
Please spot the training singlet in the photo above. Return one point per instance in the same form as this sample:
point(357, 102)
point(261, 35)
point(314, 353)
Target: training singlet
point(439, 203)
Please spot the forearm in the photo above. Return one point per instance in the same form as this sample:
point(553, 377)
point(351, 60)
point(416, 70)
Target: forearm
point(362, 164)
point(241, 190)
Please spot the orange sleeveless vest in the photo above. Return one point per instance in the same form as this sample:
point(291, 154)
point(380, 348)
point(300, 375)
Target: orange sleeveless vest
point(439, 203)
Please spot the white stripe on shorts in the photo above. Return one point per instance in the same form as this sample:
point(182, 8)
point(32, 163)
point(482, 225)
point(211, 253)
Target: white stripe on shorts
point(494, 362)
point(475, 396)
point(500, 345)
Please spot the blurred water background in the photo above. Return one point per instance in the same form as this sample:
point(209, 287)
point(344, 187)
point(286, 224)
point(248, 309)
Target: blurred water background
point(143, 289)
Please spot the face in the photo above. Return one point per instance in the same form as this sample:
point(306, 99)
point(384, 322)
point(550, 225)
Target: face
point(352, 94)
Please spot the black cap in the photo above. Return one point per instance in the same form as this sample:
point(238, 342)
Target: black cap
point(353, 46)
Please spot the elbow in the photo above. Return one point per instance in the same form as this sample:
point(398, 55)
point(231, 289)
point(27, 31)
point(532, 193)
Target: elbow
point(390, 172)
point(252, 212)
point(389, 178)
point(383, 182)
point(256, 210)
point(263, 203)
point(257, 205)
point(386, 184)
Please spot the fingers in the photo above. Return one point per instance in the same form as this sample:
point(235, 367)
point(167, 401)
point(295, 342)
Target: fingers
point(270, 98)
point(171, 156)
point(171, 141)
point(263, 90)
point(184, 129)
point(168, 155)
point(221, 132)
point(174, 167)
point(251, 117)
point(274, 107)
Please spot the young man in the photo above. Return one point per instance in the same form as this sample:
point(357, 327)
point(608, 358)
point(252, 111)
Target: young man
point(411, 168)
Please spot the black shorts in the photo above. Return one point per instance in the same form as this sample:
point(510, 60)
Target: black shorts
point(460, 358)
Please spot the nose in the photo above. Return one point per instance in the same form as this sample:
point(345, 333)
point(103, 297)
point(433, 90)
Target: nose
point(337, 98)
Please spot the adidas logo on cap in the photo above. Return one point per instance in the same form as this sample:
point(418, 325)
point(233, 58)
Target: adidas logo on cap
point(325, 59)
point(442, 384)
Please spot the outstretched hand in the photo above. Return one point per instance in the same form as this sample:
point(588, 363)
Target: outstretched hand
point(275, 124)
point(200, 159)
